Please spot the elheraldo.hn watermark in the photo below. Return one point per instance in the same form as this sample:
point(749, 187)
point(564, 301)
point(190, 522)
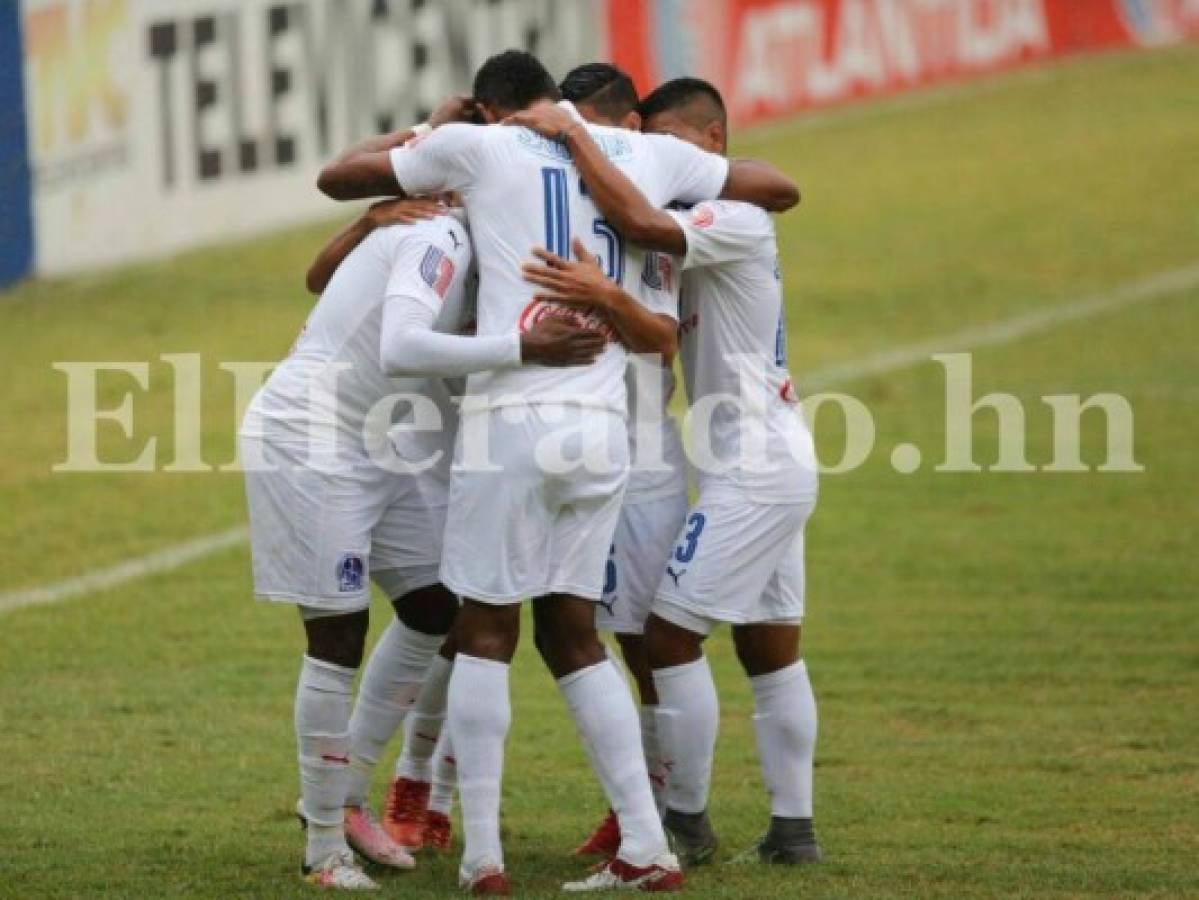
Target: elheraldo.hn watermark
point(385, 432)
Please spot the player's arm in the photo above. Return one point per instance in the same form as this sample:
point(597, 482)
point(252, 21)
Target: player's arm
point(366, 170)
point(383, 213)
point(410, 346)
point(583, 284)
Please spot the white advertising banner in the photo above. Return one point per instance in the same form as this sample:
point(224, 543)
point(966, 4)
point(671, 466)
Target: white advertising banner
point(156, 125)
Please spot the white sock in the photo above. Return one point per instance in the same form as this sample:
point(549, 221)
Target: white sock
point(393, 676)
point(785, 727)
point(658, 773)
point(445, 777)
point(424, 724)
point(688, 718)
point(604, 713)
point(480, 714)
point(323, 739)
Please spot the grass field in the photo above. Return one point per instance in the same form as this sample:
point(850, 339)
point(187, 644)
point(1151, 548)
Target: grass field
point(1007, 665)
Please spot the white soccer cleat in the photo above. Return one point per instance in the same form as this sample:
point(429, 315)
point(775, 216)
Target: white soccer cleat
point(486, 879)
point(339, 872)
point(368, 839)
point(660, 876)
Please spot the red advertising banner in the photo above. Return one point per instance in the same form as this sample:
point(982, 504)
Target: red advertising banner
point(776, 57)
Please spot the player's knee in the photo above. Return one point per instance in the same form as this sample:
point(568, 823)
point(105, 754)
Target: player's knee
point(765, 648)
point(340, 640)
point(429, 610)
point(567, 638)
point(488, 632)
point(668, 645)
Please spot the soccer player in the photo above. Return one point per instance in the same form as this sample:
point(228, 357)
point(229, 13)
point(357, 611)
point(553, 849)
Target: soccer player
point(655, 501)
point(327, 511)
point(396, 684)
point(539, 523)
point(739, 556)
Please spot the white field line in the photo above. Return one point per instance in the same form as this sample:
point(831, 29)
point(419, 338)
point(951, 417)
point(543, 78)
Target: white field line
point(131, 570)
point(1004, 331)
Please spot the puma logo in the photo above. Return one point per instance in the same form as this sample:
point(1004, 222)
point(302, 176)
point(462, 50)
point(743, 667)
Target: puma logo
point(675, 576)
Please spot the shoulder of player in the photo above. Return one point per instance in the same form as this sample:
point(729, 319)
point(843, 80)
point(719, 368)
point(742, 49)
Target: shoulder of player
point(445, 232)
point(733, 215)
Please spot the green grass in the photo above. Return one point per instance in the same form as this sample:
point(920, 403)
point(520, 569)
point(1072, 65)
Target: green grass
point(1007, 665)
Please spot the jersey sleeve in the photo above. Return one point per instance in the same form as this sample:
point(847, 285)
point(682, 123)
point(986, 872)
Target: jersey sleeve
point(429, 265)
point(685, 173)
point(721, 232)
point(659, 284)
point(446, 159)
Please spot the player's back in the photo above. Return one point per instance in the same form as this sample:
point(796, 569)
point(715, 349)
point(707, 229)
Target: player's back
point(333, 375)
point(523, 191)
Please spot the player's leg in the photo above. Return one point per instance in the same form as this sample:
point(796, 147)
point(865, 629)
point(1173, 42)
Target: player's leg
point(397, 668)
point(644, 539)
point(688, 720)
point(496, 552)
point(321, 568)
point(785, 721)
point(604, 713)
point(408, 795)
point(439, 830)
point(322, 723)
point(479, 711)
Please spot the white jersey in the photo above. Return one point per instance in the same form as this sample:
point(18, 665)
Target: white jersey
point(333, 377)
point(733, 331)
point(651, 427)
point(523, 191)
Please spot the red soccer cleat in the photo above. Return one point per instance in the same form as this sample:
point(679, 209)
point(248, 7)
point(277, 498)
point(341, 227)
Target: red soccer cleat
point(404, 812)
point(661, 876)
point(439, 831)
point(487, 880)
point(604, 841)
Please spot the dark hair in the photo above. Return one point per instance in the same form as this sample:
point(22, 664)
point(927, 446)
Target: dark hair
point(602, 86)
point(679, 92)
point(512, 80)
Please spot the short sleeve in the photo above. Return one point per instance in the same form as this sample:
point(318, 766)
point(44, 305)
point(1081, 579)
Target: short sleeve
point(724, 231)
point(684, 173)
point(446, 159)
point(659, 284)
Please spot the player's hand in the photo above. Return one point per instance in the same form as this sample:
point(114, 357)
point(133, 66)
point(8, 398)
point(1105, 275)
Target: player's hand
point(547, 118)
point(456, 108)
point(406, 210)
point(568, 282)
point(553, 342)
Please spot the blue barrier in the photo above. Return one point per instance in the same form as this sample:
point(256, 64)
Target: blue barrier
point(16, 218)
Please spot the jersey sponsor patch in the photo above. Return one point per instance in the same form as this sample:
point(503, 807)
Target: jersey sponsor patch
point(437, 270)
point(703, 216)
point(581, 318)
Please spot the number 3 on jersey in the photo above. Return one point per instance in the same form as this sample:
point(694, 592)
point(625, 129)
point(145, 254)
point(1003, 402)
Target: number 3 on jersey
point(685, 551)
point(555, 185)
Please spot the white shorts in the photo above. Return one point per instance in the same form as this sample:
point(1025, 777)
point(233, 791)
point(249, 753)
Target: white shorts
point(318, 537)
point(736, 561)
point(645, 535)
point(523, 530)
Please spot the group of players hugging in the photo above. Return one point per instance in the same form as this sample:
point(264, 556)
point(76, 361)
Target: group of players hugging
point(475, 415)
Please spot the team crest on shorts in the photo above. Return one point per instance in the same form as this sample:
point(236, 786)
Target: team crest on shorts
point(350, 573)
